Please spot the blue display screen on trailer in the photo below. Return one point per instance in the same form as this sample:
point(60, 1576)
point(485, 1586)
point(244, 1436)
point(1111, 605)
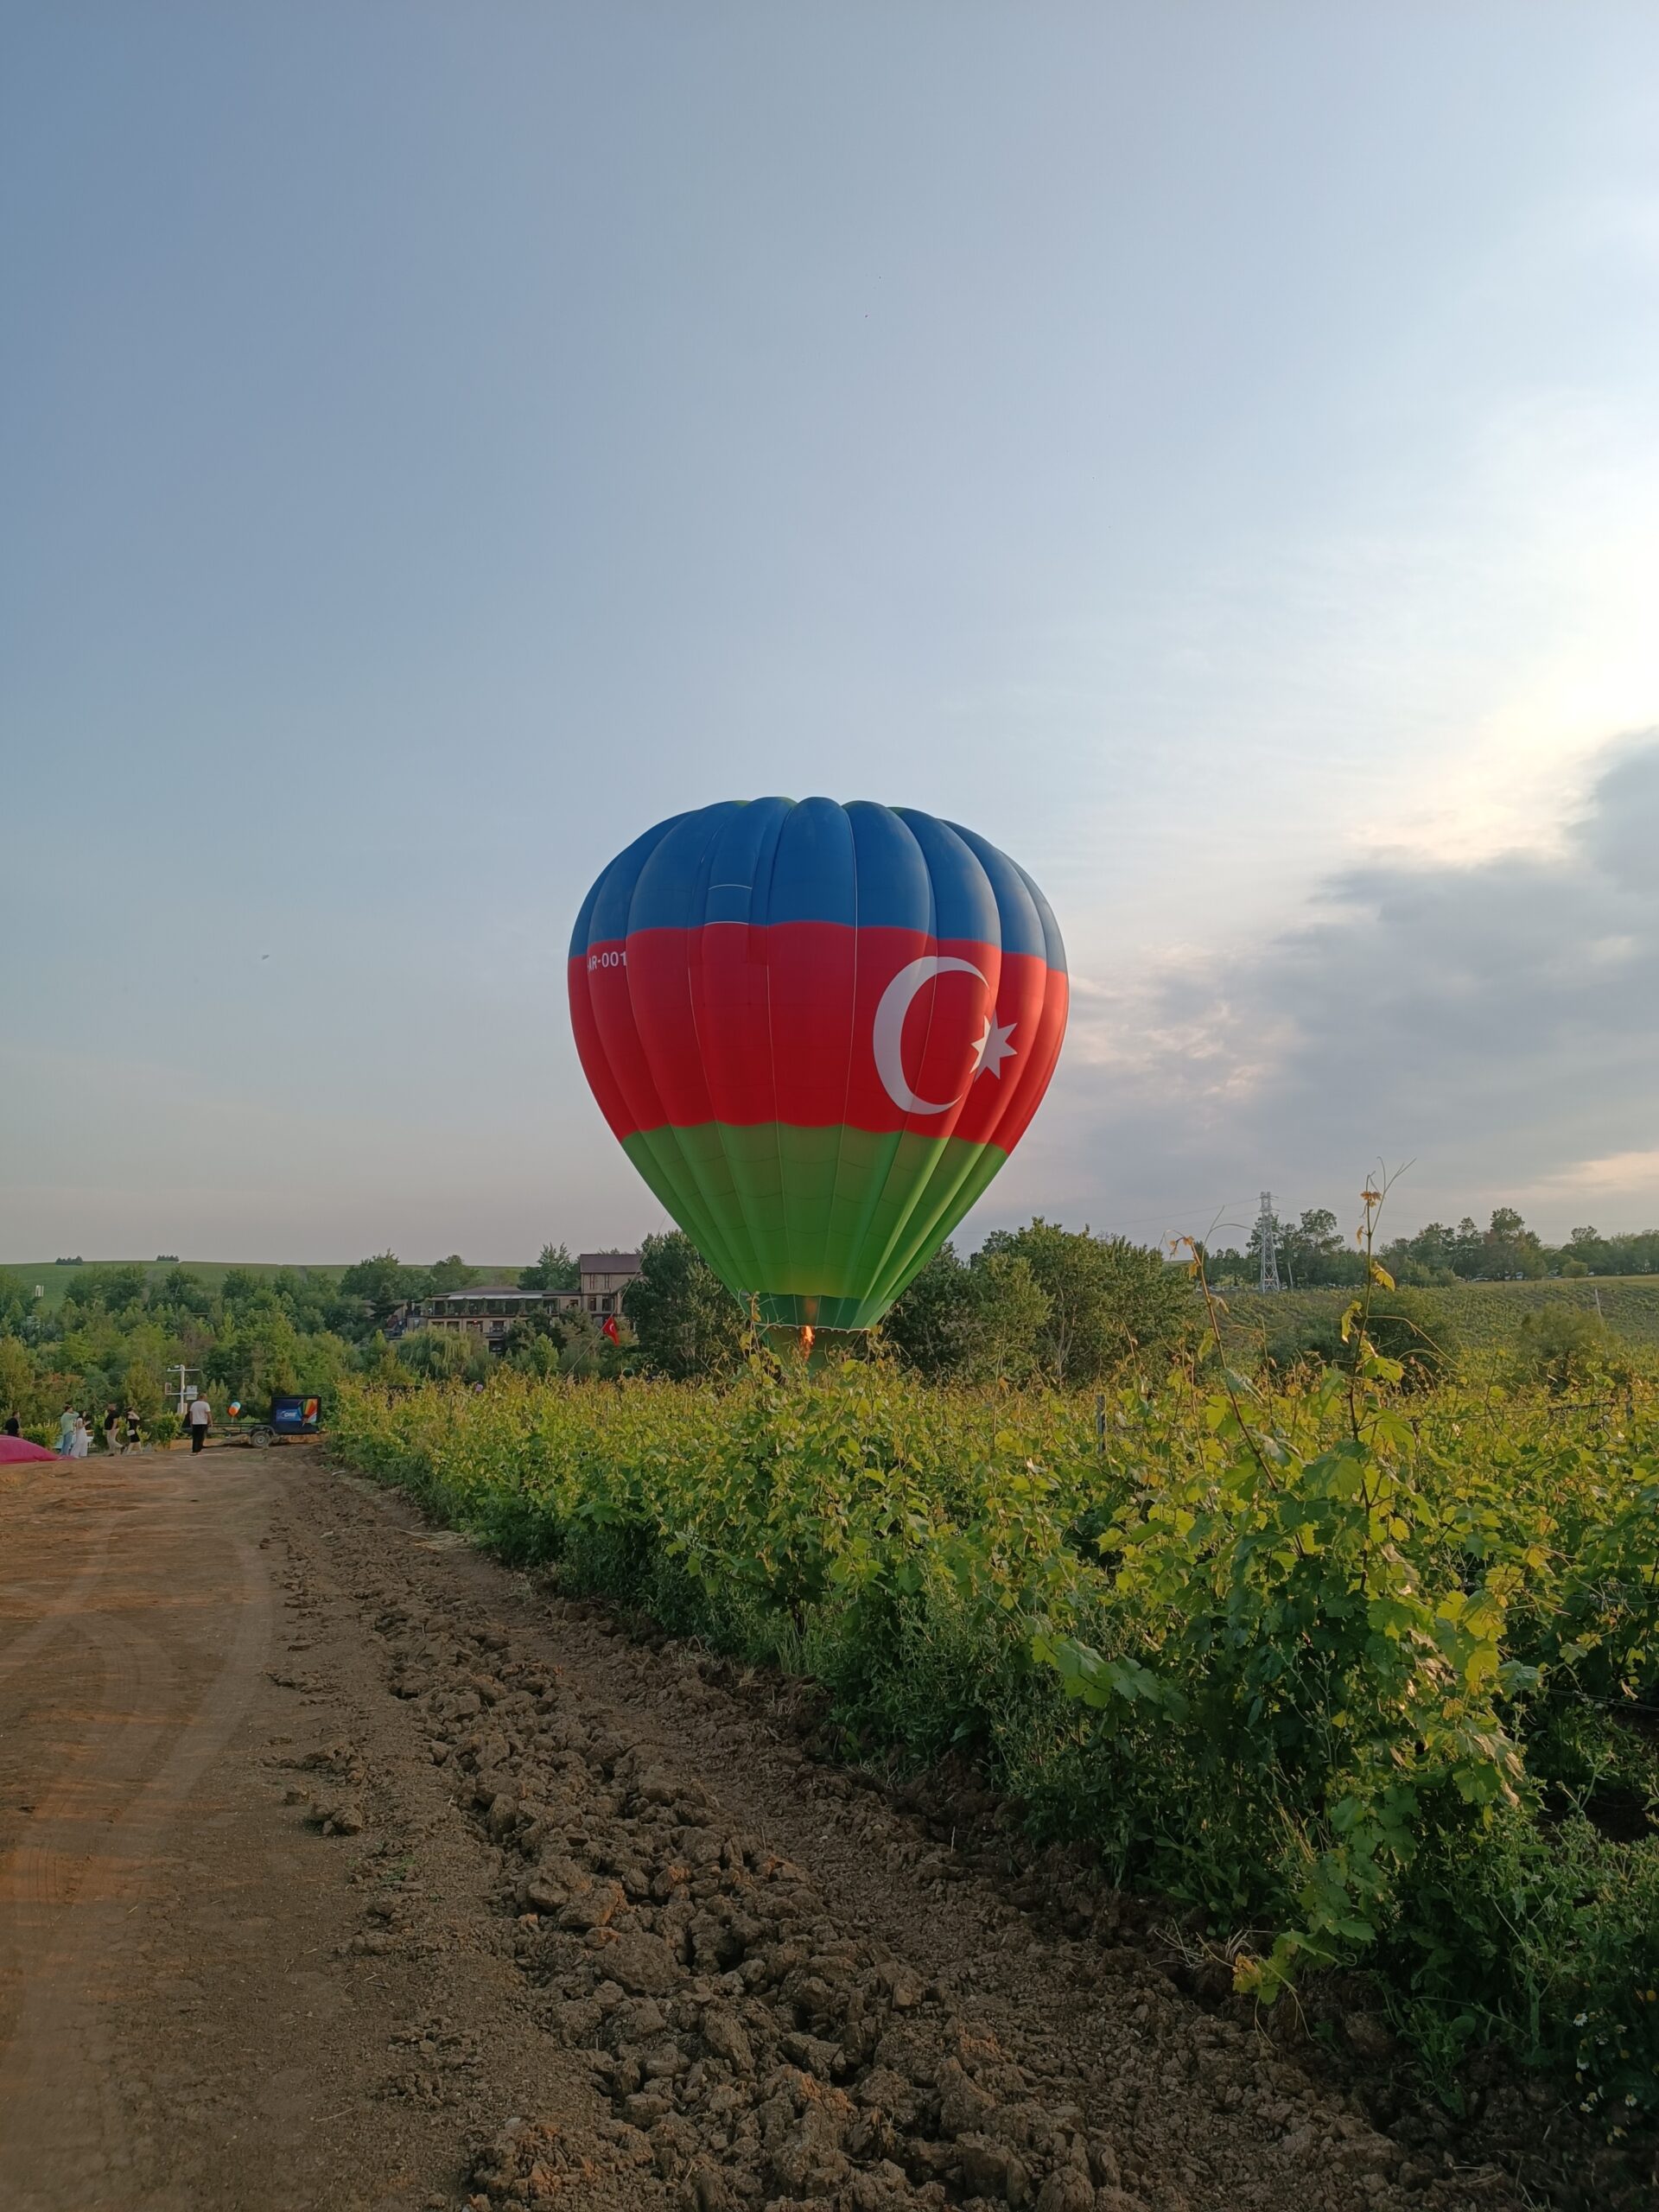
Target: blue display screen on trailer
point(294, 1416)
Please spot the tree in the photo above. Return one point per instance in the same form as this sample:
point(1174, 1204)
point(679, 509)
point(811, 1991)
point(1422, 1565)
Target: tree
point(1588, 1252)
point(1435, 1247)
point(180, 1291)
point(536, 1354)
point(588, 1352)
point(16, 1307)
point(686, 1320)
point(379, 1365)
point(1468, 1252)
point(380, 1284)
point(1633, 1254)
point(981, 1321)
point(555, 1270)
point(1109, 1301)
point(1314, 1252)
point(257, 1353)
point(1423, 1259)
point(1566, 1348)
point(925, 1327)
point(445, 1356)
point(1509, 1247)
point(18, 1389)
point(1228, 1265)
point(452, 1274)
point(240, 1286)
point(111, 1289)
point(142, 1391)
point(1003, 1318)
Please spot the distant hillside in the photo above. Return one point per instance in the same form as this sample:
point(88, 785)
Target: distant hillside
point(1485, 1313)
point(55, 1280)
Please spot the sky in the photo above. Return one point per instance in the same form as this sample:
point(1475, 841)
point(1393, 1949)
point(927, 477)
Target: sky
point(1214, 451)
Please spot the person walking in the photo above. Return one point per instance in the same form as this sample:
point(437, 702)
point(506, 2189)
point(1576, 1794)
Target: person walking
point(112, 1430)
point(80, 1440)
point(135, 1431)
point(201, 1415)
point(66, 1420)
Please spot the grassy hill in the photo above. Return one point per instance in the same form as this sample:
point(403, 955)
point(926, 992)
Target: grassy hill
point(56, 1279)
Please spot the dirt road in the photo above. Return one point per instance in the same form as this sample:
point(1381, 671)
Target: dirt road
point(342, 1871)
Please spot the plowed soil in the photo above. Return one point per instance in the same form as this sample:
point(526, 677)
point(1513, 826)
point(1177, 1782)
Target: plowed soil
point(340, 1869)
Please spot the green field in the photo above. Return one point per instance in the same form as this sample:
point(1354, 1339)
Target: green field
point(56, 1281)
point(1486, 1315)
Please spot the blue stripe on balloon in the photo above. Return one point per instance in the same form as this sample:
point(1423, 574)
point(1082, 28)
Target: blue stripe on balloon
point(965, 905)
point(894, 888)
point(773, 859)
point(1053, 943)
point(674, 871)
point(741, 859)
point(604, 913)
point(1027, 925)
point(815, 878)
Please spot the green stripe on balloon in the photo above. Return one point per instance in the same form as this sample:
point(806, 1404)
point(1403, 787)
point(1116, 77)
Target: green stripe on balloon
point(822, 1225)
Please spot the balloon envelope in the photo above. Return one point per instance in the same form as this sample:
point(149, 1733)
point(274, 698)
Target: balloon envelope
point(817, 1031)
point(14, 1449)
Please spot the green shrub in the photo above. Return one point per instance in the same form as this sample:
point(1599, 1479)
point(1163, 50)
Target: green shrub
point(1282, 1656)
point(1565, 1349)
point(1415, 1332)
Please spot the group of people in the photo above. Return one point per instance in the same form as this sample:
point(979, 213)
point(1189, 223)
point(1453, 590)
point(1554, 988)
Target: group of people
point(121, 1432)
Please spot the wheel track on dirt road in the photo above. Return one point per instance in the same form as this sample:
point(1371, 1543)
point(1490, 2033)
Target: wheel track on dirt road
point(71, 1887)
point(57, 1614)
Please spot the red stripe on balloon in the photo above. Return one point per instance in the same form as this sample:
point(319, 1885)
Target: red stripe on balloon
point(749, 1026)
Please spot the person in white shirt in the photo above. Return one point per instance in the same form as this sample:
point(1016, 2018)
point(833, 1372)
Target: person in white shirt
point(201, 1415)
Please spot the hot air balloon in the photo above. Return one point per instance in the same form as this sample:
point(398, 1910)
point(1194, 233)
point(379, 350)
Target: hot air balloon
point(817, 1031)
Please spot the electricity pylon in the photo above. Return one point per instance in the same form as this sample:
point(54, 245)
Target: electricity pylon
point(1267, 1235)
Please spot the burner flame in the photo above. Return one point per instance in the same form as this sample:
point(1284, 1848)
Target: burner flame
point(806, 1339)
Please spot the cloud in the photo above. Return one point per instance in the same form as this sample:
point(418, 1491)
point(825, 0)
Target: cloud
point(1495, 1022)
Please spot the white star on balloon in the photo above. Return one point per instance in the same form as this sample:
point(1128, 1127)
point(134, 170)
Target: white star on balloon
point(994, 1048)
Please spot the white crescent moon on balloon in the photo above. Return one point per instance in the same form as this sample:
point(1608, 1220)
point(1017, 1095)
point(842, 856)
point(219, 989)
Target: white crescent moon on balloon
point(887, 1037)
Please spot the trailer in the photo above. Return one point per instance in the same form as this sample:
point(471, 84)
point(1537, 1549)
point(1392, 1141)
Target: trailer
point(288, 1417)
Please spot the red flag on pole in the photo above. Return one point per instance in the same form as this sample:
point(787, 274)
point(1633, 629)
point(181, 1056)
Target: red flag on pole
point(610, 1328)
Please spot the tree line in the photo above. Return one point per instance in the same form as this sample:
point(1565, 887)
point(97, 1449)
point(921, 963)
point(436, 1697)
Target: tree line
point(124, 1330)
point(1037, 1304)
point(121, 1329)
point(1312, 1254)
